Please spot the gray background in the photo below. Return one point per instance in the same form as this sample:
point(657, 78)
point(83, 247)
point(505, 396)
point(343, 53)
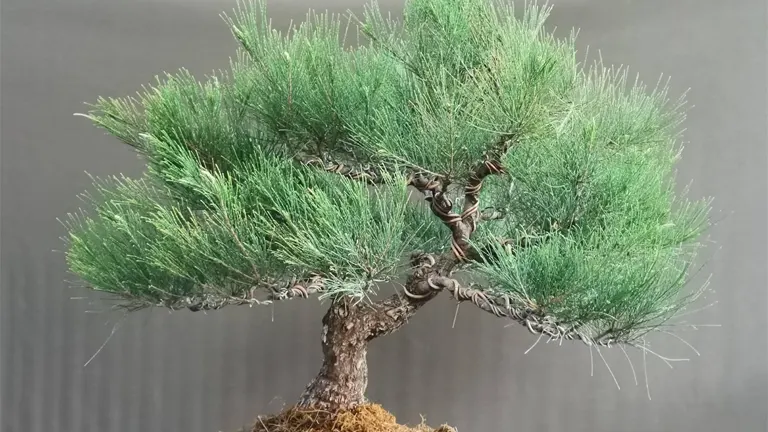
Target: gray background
point(195, 372)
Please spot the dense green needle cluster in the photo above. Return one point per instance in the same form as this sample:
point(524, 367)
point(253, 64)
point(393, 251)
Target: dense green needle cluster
point(578, 218)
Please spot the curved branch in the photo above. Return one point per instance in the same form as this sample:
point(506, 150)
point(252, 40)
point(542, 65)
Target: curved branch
point(434, 187)
point(471, 212)
point(490, 166)
point(529, 315)
point(436, 190)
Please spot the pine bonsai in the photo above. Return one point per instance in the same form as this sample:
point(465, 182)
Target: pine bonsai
point(548, 190)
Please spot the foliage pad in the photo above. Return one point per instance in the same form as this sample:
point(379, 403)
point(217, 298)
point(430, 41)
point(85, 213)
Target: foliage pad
point(587, 230)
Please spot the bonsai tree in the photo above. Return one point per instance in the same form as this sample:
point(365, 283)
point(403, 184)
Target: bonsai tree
point(548, 196)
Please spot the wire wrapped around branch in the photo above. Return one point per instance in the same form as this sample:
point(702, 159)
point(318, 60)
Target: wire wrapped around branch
point(492, 213)
point(214, 302)
point(433, 186)
point(470, 214)
point(529, 316)
point(296, 288)
point(442, 207)
point(425, 267)
point(278, 291)
point(362, 172)
point(491, 165)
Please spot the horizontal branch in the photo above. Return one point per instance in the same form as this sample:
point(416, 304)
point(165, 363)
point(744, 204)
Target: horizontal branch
point(277, 291)
point(529, 315)
point(363, 172)
point(417, 287)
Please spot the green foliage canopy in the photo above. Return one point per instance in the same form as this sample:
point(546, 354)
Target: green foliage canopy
point(229, 208)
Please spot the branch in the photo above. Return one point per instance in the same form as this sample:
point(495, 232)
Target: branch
point(388, 315)
point(491, 165)
point(491, 213)
point(433, 187)
point(278, 291)
point(363, 173)
point(396, 309)
point(295, 288)
point(529, 315)
point(471, 213)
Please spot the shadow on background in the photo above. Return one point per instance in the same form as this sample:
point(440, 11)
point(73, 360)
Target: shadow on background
point(196, 372)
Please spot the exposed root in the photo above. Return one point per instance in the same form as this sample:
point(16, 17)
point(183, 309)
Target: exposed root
point(365, 418)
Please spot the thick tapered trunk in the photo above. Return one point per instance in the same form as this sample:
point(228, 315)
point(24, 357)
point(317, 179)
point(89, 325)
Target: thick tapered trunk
point(343, 376)
point(347, 329)
point(349, 325)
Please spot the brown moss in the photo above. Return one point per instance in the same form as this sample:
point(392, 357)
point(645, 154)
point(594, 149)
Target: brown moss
point(365, 418)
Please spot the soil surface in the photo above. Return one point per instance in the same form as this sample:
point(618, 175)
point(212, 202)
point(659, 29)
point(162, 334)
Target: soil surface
point(365, 418)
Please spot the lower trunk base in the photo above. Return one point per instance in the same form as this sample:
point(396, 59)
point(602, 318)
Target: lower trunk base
point(364, 418)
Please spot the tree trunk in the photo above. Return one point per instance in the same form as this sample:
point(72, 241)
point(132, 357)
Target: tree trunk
point(343, 377)
point(349, 325)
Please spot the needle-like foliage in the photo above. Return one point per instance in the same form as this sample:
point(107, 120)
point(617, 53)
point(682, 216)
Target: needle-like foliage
point(581, 223)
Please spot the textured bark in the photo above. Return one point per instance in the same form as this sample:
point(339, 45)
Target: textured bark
point(347, 329)
point(343, 377)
